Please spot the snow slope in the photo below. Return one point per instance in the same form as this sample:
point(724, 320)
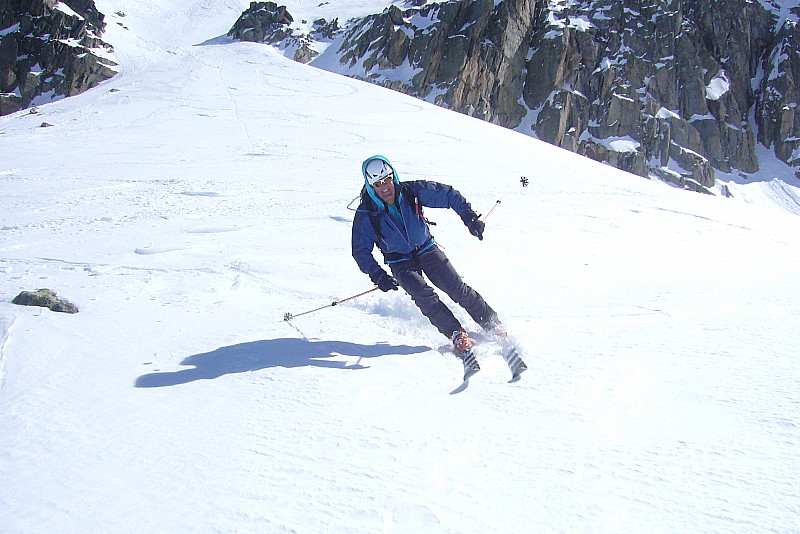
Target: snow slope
point(191, 201)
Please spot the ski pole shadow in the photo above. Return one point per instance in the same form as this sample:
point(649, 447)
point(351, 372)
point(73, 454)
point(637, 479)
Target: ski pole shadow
point(257, 355)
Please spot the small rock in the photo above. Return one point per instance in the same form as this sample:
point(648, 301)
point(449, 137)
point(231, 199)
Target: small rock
point(45, 298)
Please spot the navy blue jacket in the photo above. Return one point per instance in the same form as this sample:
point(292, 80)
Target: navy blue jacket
point(398, 242)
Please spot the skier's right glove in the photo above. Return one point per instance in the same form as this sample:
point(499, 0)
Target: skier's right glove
point(385, 282)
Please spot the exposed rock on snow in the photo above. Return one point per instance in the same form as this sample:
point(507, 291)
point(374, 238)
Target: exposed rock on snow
point(267, 22)
point(263, 22)
point(45, 298)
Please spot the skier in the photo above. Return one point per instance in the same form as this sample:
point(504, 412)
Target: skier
point(390, 216)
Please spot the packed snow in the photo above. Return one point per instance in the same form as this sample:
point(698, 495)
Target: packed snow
point(191, 201)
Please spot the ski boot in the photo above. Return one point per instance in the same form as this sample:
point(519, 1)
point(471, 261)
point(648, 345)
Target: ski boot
point(463, 347)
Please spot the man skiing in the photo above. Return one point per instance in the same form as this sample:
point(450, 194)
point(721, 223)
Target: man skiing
point(390, 216)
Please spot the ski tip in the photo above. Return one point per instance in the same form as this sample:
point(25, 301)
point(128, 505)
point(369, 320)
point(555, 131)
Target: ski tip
point(518, 374)
point(469, 374)
point(460, 388)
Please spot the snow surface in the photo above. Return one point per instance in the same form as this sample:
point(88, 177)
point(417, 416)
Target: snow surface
point(718, 86)
point(188, 203)
point(782, 10)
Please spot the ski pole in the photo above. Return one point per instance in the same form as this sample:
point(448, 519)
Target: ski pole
point(289, 316)
point(523, 180)
point(497, 203)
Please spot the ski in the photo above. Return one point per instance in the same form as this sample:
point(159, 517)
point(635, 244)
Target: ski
point(512, 354)
point(470, 368)
point(514, 361)
point(470, 364)
point(509, 350)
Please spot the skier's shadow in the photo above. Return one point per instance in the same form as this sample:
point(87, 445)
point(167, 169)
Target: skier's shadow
point(256, 355)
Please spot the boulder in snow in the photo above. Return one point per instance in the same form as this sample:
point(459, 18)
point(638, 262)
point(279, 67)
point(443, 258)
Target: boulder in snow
point(45, 298)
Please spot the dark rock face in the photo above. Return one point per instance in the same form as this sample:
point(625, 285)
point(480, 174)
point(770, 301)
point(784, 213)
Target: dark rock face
point(778, 103)
point(468, 56)
point(267, 22)
point(50, 49)
point(263, 22)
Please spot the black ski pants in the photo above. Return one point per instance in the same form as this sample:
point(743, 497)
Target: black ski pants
point(434, 264)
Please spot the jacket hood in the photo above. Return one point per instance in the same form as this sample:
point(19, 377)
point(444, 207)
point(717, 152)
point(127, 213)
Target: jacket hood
point(371, 190)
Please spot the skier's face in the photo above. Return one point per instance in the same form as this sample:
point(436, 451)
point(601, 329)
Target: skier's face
point(385, 189)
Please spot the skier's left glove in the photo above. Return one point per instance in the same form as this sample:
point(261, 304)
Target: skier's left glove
point(474, 224)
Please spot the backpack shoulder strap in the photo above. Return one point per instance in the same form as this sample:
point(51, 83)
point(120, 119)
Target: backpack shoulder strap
point(412, 198)
point(372, 212)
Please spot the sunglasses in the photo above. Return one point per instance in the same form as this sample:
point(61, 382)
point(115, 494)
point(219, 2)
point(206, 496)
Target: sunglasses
point(386, 180)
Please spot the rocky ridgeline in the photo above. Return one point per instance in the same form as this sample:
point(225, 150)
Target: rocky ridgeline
point(661, 89)
point(267, 22)
point(48, 49)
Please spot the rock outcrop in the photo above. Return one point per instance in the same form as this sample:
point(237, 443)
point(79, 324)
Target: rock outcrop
point(670, 89)
point(45, 298)
point(777, 111)
point(267, 22)
point(50, 49)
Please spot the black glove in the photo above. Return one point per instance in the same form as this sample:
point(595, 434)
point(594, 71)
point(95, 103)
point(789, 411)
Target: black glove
point(385, 282)
point(474, 224)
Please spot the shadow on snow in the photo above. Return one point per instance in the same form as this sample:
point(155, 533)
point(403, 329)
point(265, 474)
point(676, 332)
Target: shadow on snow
point(255, 355)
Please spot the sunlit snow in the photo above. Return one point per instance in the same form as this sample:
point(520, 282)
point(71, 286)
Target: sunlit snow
point(188, 203)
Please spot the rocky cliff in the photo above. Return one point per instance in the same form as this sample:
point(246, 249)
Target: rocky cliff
point(48, 49)
point(671, 89)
